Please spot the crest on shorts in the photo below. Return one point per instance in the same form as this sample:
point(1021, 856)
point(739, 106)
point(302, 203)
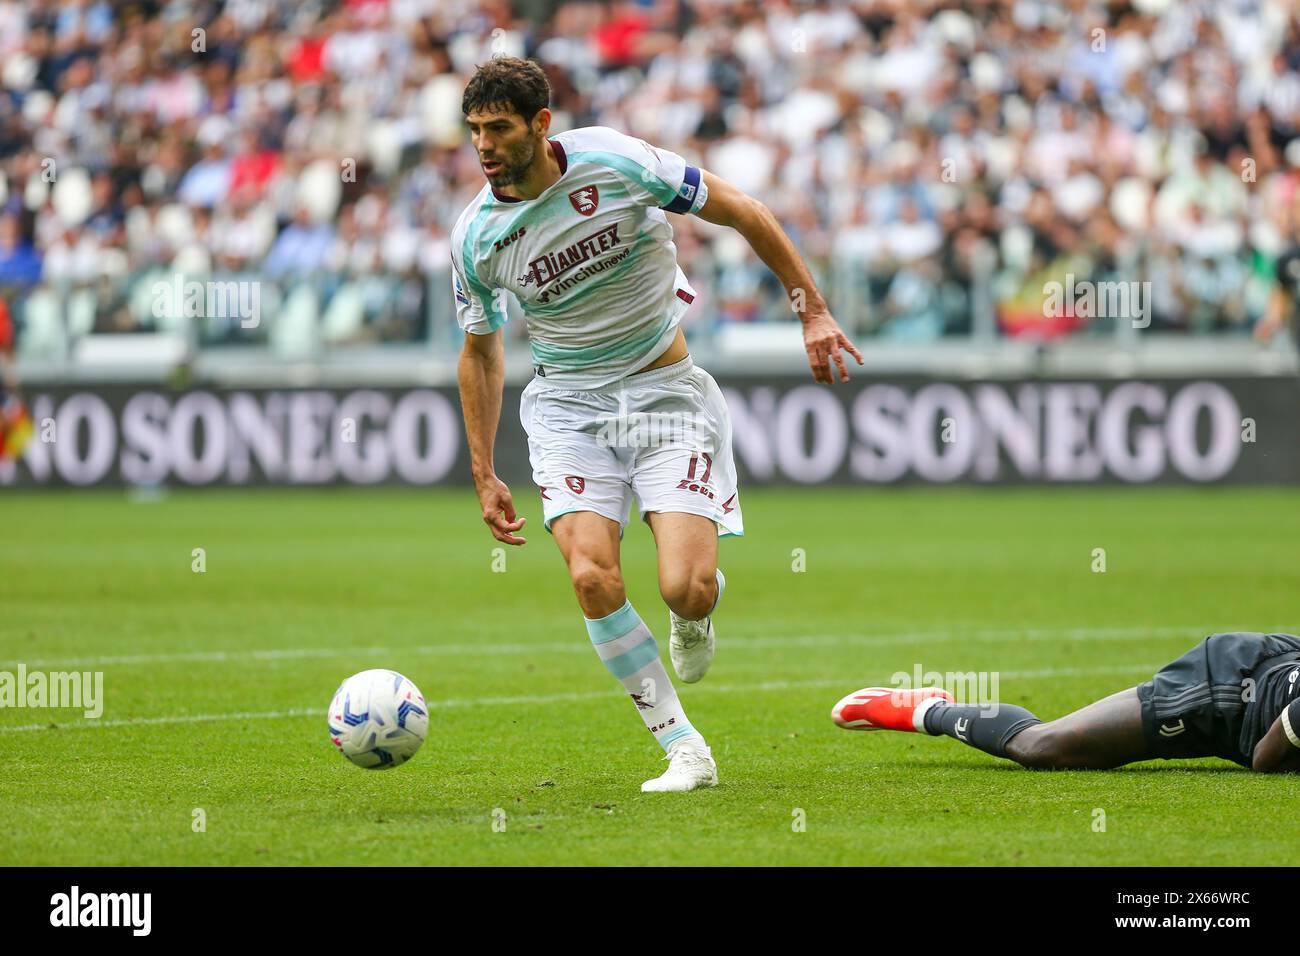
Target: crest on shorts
point(575, 483)
point(585, 200)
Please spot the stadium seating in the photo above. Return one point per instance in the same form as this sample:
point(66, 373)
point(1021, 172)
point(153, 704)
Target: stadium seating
point(937, 165)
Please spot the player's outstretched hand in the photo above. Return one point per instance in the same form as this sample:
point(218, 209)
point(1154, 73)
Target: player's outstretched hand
point(823, 338)
point(499, 511)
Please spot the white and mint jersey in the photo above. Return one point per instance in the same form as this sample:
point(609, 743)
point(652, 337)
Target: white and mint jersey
point(591, 260)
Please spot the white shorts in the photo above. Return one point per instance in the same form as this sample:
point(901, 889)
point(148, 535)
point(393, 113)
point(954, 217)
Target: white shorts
point(662, 435)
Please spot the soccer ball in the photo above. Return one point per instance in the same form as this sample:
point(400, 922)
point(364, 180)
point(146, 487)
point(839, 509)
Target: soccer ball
point(378, 719)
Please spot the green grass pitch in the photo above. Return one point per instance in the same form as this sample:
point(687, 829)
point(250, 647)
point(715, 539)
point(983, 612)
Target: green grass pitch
point(216, 683)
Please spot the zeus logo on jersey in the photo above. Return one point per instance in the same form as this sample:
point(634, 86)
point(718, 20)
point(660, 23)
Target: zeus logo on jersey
point(517, 234)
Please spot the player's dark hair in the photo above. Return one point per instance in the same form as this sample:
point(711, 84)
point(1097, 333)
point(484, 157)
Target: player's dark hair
point(508, 81)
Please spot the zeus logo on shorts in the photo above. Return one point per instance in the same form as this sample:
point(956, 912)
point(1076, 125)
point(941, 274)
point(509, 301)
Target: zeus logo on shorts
point(687, 485)
point(690, 484)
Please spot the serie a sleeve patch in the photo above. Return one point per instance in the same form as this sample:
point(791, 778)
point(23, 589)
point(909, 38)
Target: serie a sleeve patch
point(690, 195)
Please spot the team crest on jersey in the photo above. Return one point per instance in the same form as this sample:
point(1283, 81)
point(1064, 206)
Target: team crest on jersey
point(576, 484)
point(585, 200)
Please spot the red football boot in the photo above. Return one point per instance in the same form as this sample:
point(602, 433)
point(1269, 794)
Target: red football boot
point(887, 708)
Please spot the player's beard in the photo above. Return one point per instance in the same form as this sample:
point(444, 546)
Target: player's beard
point(514, 164)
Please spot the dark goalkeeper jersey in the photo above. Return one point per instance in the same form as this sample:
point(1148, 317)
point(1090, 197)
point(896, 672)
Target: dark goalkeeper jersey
point(1276, 682)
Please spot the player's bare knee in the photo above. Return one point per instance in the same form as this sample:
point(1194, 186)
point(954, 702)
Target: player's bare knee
point(599, 588)
point(690, 595)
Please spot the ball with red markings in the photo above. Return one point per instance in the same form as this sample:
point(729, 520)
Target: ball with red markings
point(378, 719)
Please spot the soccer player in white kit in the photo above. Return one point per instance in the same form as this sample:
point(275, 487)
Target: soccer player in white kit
point(574, 226)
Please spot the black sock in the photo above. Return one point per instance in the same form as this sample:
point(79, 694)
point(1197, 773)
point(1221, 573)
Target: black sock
point(974, 724)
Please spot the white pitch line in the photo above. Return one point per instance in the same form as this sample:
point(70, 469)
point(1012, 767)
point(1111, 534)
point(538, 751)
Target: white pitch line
point(578, 646)
point(537, 699)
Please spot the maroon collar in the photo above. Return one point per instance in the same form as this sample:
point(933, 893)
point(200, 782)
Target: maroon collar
point(557, 151)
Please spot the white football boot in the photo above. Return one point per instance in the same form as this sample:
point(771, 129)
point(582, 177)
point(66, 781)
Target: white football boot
point(690, 765)
point(691, 643)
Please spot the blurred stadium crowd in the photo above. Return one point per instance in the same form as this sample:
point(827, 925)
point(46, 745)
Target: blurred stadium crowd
point(935, 160)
